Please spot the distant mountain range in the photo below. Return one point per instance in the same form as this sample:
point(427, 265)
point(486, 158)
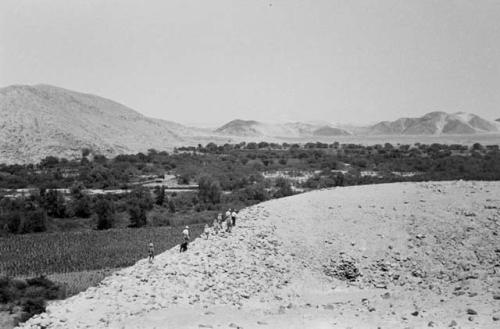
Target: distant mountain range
point(436, 123)
point(41, 120)
point(251, 128)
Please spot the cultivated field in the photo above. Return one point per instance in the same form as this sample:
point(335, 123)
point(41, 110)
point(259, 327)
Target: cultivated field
point(63, 252)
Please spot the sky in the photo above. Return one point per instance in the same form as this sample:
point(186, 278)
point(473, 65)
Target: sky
point(205, 62)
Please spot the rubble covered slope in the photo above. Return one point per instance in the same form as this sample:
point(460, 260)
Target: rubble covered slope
point(390, 255)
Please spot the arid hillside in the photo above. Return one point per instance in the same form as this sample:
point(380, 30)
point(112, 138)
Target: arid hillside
point(37, 121)
point(404, 255)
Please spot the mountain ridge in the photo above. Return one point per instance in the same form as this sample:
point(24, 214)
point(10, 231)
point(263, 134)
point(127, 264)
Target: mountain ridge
point(435, 123)
point(41, 120)
point(252, 128)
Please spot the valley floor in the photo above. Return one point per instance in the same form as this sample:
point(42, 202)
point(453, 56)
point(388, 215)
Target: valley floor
point(428, 254)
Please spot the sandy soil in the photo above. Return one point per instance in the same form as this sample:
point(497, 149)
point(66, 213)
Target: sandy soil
point(428, 255)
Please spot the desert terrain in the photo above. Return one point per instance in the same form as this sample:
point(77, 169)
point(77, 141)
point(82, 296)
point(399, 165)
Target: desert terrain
point(403, 255)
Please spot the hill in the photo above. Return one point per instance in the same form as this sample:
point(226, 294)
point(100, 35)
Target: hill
point(255, 129)
point(435, 123)
point(411, 255)
point(41, 120)
point(431, 124)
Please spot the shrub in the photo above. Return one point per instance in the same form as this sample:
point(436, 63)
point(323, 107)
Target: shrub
point(256, 192)
point(31, 306)
point(30, 294)
point(19, 283)
point(171, 206)
point(284, 187)
point(34, 221)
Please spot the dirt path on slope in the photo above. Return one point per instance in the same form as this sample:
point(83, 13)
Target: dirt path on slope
point(400, 255)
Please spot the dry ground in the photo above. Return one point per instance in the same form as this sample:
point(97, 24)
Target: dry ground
point(428, 255)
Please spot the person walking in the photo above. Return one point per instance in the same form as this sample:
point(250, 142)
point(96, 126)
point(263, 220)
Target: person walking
point(185, 237)
point(216, 225)
point(233, 217)
point(151, 252)
point(228, 224)
point(206, 231)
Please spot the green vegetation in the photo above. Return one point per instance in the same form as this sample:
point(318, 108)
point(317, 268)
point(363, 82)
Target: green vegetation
point(27, 297)
point(57, 227)
point(229, 175)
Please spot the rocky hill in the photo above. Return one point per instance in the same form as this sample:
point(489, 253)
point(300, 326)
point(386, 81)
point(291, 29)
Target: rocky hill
point(253, 129)
point(404, 255)
point(41, 120)
point(435, 123)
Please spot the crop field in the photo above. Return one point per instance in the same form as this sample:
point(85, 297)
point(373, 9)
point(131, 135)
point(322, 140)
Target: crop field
point(64, 252)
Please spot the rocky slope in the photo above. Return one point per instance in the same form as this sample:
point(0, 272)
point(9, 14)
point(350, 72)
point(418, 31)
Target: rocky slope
point(405, 255)
point(435, 123)
point(41, 120)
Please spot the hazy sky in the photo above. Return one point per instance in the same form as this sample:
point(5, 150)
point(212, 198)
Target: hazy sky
point(212, 61)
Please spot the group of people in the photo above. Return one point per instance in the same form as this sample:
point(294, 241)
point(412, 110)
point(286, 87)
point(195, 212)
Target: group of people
point(229, 219)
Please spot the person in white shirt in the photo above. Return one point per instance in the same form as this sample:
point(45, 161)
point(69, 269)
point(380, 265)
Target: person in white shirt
point(185, 234)
point(206, 231)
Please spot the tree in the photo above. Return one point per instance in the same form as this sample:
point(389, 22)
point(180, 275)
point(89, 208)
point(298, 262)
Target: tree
point(140, 201)
point(54, 203)
point(85, 152)
point(12, 221)
point(160, 196)
point(105, 213)
point(80, 205)
point(477, 147)
point(209, 190)
point(171, 206)
point(49, 162)
point(137, 216)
